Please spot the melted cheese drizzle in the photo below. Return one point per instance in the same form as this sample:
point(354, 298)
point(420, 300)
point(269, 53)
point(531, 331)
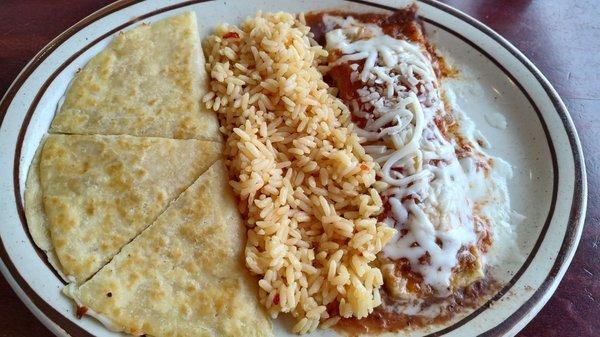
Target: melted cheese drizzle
point(399, 101)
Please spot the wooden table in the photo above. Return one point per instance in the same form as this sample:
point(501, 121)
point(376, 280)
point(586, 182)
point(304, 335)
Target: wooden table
point(561, 37)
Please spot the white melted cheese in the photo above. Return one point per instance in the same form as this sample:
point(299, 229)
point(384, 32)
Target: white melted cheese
point(399, 101)
point(496, 120)
point(492, 194)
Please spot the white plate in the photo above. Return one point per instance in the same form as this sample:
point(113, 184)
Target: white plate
point(549, 186)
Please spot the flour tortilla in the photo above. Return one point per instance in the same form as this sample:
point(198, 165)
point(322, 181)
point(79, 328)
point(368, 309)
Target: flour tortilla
point(148, 82)
point(34, 212)
point(100, 192)
point(184, 275)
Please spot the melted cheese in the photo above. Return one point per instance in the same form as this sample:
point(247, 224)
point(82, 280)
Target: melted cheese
point(496, 120)
point(432, 193)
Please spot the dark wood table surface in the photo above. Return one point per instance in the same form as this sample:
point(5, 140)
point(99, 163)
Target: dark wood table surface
point(562, 37)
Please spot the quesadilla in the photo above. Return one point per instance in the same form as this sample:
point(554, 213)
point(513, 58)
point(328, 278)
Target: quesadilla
point(184, 275)
point(99, 192)
point(148, 82)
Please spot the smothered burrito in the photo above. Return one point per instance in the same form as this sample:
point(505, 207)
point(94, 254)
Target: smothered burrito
point(440, 191)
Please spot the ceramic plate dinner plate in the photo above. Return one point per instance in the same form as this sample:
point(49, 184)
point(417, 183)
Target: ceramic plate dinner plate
point(540, 141)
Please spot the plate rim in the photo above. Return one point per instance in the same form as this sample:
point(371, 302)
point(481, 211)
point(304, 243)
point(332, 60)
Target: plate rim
point(58, 324)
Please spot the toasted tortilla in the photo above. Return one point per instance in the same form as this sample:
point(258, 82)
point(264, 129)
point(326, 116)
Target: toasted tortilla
point(99, 192)
point(34, 212)
point(184, 275)
point(148, 82)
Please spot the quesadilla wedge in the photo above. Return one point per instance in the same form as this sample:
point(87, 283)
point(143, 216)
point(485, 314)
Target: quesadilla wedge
point(148, 82)
point(184, 275)
point(99, 192)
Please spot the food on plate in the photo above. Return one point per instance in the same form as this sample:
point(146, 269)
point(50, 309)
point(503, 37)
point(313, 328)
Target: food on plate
point(365, 199)
point(306, 186)
point(112, 206)
point(147, 82)
point(99, 192)
point(184, 275)
point(442, 193)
